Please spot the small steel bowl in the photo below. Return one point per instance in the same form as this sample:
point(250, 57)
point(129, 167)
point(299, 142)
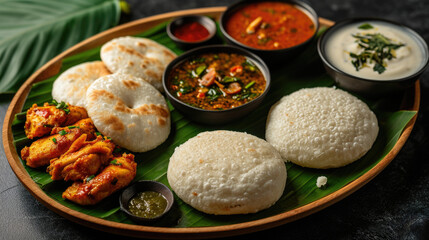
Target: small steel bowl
point(277, 56)
point(205, 21)
point(371, 88)
point(142, 186)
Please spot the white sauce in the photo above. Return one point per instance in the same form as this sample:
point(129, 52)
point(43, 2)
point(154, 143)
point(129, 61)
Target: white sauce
point(409, 58)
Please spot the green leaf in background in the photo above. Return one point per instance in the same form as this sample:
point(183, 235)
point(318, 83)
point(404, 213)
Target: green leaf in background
point(34, 31)
point(301, 182)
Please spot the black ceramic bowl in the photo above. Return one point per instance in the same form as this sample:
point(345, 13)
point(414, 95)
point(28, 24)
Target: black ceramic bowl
point(365, 86)
point(142, 186)
point(206, 22)
point(277, 56)
point(214, 117)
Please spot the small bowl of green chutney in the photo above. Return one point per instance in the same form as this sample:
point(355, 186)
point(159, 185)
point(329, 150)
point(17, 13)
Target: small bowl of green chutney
point(146, 201)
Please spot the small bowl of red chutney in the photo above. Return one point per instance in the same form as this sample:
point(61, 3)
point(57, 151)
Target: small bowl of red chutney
point(192, 31)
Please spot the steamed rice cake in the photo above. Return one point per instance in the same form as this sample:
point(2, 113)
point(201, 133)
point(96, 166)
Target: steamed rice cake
point(140, 57)
point(321, 127)
point(70, 87)
point(129, 110)
point(226, 172)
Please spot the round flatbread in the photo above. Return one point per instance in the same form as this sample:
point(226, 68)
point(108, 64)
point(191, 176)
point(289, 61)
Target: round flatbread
point(129, 110)
point(70, 87)
point(226, 172)
point(321, 127)
point(140, 57)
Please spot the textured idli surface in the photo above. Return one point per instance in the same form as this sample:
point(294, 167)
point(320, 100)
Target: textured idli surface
point(321, 127)
point(129, 110)
point(225, 172)
point(70, 87)
point(140, 57)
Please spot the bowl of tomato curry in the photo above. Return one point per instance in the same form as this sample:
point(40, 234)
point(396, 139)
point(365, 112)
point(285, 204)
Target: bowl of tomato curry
point(274, 30)
point(216, 84)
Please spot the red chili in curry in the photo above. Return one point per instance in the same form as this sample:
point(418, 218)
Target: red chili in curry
point(270, 25)
point(216, 81)
point(191, 32)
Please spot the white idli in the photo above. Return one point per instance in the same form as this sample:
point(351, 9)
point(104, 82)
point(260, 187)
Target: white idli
point(140, 57)
point(225, 172)
point(70, 87)
point(129, 110)
point(321, 127)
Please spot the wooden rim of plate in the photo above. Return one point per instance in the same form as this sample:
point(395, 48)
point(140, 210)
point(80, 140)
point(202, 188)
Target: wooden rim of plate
point(53, 67)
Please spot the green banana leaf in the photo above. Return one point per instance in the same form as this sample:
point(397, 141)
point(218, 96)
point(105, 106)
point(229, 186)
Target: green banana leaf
point(301, 182)
point(34, 31)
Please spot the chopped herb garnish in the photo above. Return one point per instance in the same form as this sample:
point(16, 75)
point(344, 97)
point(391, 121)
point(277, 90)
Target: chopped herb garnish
point(184, 87)
point(200, 69)
point(71, 127)
point(54, 140)
point(249, 85)
point(376, 48)
point(263, 41)
point(115, 162)
point(62, 105)
point(366, 26)
point(62, 132)
point(197, 60)
point(229, 79)
point(248, 65)
point(89, 178)
point(98, 133)
point(213, 93)
point(265, 25)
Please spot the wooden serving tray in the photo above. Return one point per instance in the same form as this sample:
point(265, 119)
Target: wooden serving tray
point(52, 68)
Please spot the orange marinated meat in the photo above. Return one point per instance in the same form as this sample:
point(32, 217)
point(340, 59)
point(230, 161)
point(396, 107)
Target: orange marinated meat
point(41, 119)
point(41, 151)
point(83, 159)
point(118, 174)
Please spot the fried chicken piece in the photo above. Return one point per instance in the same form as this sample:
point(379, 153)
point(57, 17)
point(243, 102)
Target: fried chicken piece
point(44, 149)
point(118, 174)
point(41, 120)
point(83, 159)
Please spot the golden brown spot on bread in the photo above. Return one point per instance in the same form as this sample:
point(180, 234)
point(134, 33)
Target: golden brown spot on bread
point(147, 109)
point(130, 51)
point(95, 94)
point(161, 121)
point(131, 63)
point(169, 54)
point(153, 74)
point(201, 161)
point(73, 76)
point(140, 44)
point(194, 193)
point(114, 122)
point(108, 48)
point(131, 84)
point(98, 68)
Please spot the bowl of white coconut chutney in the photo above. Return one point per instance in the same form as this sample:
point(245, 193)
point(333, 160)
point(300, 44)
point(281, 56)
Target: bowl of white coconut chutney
point(373, 57)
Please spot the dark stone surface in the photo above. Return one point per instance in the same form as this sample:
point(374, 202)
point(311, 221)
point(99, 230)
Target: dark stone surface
point(394, 205)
